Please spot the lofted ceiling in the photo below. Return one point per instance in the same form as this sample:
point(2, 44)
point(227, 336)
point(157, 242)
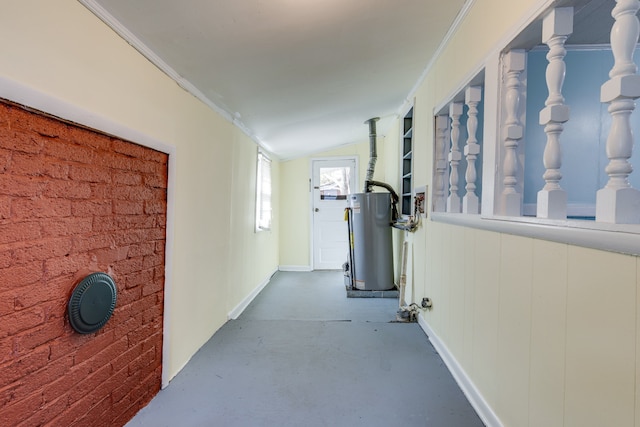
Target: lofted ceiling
point(299, 76)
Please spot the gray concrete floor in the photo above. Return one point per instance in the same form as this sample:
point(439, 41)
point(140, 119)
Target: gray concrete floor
point(302, 354)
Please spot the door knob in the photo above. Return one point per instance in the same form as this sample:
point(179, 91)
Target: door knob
point(317, 210)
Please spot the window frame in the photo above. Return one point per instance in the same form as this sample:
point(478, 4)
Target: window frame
point(263, 217)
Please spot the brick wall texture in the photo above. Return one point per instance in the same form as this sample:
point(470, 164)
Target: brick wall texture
point(74, 202)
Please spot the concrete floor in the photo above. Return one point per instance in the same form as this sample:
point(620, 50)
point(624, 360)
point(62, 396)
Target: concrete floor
point(303, 354)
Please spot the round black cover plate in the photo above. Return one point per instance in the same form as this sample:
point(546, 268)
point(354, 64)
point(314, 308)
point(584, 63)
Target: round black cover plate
point(92, 303)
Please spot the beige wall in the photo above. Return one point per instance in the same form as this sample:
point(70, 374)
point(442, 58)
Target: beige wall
point(61, 50)
point(253, 255)
point(295, 232)
point(547, 332)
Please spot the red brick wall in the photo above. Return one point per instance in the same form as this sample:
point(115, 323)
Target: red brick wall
point(73, 202)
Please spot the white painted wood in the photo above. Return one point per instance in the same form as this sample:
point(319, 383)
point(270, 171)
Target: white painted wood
point(491, 138)
point(470, 201)
point(477, 401)
point(167, 339)
point(512, 131)
point(619, 238)
point(330, 231)
point(618, 202)
point(490, 65)
point(622, 238)
point(453, 201)
point(440, 187)
point(557, 25)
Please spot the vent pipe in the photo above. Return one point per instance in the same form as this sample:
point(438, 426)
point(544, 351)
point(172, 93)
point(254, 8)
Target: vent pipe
point(373, 155)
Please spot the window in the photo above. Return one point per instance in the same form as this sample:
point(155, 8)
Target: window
point(335, 183)
point(263, 193)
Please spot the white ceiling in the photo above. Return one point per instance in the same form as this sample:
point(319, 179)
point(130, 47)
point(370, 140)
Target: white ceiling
point(299, 76)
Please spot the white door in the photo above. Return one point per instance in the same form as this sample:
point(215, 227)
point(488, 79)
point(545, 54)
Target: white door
point(331, 182)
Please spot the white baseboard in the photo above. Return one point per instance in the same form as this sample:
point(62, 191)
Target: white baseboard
point(295, 268)
point(238, 309)
point(482, 408)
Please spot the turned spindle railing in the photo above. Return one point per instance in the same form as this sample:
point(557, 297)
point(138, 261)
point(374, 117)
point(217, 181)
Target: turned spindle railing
point(440, 184)
point(512, 132)
point(470, 201)
point(453, 201)
point(557, 25)
point(618, 202)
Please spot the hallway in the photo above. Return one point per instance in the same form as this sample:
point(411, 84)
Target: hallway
point(302, 354)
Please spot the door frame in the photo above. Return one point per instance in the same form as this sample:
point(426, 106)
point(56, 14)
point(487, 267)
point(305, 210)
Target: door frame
point(311, 224)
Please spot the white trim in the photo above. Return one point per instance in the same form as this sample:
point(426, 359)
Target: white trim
point(148, 53)
point(587, 233)
point(238, 309)
point(311, 231)
point(475, 77)
point(25, 95)
point(30, 97)
point(527, 18)
point(482, 408)
point(493, 144)
point(168, 268)
point(311, 195)
point(443, 44)
point(295, 268)
point(263, 161)
point(619, 238)
point(491, 136)
point(102, 14)
point(182, 366)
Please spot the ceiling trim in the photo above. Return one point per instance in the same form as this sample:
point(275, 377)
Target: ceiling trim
point(443, 44)
point(145, 51)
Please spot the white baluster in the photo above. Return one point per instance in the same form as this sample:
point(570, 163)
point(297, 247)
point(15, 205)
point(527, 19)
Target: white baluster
point(453, 201)
point(470, 201)
point(618, 202)
point(512, 132)
point(440, 199)
point(556, 28)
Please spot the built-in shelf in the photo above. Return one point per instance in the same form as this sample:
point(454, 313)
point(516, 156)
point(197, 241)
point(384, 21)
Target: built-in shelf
point(406, 167)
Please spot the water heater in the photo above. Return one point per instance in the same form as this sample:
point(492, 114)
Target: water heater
point(372, 246)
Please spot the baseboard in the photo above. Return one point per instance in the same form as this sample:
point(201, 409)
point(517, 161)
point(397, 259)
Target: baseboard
point(295, 268)
point(482, 408)
point(238, 309)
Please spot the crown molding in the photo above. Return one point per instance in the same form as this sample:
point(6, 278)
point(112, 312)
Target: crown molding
point(102, 14)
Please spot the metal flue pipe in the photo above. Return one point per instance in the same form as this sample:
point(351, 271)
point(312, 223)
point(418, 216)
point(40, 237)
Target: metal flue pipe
point(373, 155)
